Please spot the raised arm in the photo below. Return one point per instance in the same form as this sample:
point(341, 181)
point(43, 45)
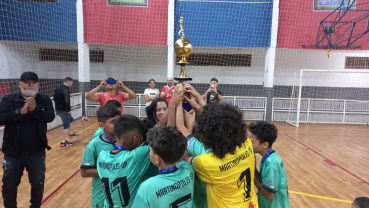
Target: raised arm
point(92, 94)
point(174, 102)
point(131, 95)
point(8, 116)
point(206, 94)
point(180, 120)
point(189, 88)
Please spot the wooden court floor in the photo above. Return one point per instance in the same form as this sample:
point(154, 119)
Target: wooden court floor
point(327, 166)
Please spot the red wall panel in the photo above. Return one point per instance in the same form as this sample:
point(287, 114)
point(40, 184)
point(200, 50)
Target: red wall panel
point(4, 89)
point(299, 24)
point(126, 25)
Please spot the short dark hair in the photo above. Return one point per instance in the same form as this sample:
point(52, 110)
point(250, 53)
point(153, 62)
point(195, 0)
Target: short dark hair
point(111, 78)
point(106, 112)
point(152, 80)
point(126, 124)
point(113, 103)
point(264, 132)
point(214, 79)
point(68, 79)
point(220, 127)
point(151, 110)
point(168, 142)
point(362, 202)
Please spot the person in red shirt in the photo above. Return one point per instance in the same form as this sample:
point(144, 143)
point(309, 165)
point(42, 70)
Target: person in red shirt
point(112, 94)
point(167, 91)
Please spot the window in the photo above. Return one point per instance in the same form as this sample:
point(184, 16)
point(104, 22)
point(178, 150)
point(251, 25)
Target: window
point(330, 5)
point(41, 1)
point(136, 3)
point(357, 63)
point(96, 56)
point(205, 59)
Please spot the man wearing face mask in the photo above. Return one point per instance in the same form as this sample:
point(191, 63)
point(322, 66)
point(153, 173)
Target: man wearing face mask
point(25, 115)
point(111, 85)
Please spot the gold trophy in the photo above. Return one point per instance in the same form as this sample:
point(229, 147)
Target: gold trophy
point(182, 48)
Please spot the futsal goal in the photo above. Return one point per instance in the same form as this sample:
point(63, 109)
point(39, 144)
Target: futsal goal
point(329, 96)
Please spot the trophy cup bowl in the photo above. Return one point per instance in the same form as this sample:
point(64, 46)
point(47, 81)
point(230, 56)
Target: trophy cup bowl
point(183, 49)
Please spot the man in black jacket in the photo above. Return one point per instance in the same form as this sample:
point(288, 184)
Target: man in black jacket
point(25, 115)
point(62, 108)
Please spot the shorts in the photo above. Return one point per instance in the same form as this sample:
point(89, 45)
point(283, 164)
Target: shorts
point(66, 118)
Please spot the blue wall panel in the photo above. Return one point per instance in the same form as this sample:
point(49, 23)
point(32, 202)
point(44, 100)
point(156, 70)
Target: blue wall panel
point(45, 22)
point(225, 24)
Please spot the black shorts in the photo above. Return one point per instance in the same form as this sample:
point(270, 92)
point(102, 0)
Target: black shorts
point(66, 118)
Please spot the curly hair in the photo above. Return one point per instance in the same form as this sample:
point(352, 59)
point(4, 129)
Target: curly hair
point(220, 127)
point(264, 132)
point(167, 142)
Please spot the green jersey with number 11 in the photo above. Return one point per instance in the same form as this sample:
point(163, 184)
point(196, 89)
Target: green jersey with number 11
point(121, 174)
point(173, 188)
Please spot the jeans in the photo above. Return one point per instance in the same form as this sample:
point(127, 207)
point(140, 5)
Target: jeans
point(13, 170)
point(147, 107)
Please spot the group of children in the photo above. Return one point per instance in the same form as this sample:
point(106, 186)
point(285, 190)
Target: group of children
point(212, 164)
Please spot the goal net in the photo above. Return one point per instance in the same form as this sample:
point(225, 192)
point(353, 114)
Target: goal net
point(329, 96)
point(39, 36)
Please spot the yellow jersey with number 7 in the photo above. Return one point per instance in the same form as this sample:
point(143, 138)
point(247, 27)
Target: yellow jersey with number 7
point(229, 180)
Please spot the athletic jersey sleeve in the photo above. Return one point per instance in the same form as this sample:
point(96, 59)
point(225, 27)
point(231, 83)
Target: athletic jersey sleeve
point(270, 177)
point(146, 92)
point(89, 157)
point(194, 147)
point(100, 96)
point(122, 95)
point(202, 173)
point(163, 89)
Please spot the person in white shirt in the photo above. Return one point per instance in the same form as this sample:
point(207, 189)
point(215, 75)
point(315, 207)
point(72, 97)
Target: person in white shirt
point(151, 93)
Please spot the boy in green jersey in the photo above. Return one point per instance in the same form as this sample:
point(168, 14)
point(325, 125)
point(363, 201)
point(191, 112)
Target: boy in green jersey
point(174, 186)
point(124, 168)
point(106, 117)
point(112, 103)
point(272, 182)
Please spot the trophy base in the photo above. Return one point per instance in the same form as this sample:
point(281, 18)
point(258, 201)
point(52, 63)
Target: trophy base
point(183, 78)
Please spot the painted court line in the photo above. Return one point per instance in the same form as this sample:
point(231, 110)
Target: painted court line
point(330, 135)
point(320, 197)
point(57, 189)
point(59, 142)
point(289, 191)
point(77, 133)
point(330, 162)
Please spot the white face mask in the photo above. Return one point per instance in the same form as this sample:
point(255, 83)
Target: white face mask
point(29, 92)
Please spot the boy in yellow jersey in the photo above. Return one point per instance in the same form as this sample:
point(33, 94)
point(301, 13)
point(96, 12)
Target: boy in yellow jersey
point(228, 169)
